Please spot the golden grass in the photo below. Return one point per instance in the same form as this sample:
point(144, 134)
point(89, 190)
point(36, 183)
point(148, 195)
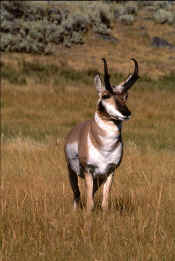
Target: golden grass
point(37, 219)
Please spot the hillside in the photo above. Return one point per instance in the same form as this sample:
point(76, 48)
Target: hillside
point(79, 34)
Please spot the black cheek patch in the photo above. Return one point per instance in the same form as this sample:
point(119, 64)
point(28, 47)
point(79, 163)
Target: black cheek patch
point(123, 109)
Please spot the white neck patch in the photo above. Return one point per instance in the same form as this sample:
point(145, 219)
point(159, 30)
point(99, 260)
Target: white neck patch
point(109, 127)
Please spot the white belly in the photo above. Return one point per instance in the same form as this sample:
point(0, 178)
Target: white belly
point(104, 161)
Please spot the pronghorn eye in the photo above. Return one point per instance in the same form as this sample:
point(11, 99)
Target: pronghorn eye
point(106, 96)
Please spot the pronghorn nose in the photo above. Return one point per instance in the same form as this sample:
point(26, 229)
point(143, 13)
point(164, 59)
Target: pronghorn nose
point(128, 114)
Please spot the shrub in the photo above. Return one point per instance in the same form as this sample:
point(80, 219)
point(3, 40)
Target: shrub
point(54, 16)
point(101, 29)
point(67, 42)
point(28, 45)
point(126, 19)
point(120, 10)
point(73, 28)
point(76, 22)
point(17, 43)
point(6, 41)
point(145, 3)
point(150, 8)
point(35, 13)
point(163, 16)
point(65, 13)
point(100, 13)
point(5, 15)
point(100, 17)
point(54, 34)
point(77, 38)
point(6, 26)
point(132, 8)
point(105, 15)
point(15, 8)
point(162, 4)
point(35, 30)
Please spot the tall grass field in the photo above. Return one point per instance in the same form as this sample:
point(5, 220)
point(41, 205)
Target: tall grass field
point(40, 102)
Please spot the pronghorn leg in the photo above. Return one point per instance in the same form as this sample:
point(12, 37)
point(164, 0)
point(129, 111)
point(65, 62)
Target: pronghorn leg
point(97, 183)
point(89, 189)
point(73, 178)
point(106, 190)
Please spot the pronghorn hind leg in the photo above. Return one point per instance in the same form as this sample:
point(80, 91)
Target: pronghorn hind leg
point(89, 190)
point(106, 191)
point(73, 178)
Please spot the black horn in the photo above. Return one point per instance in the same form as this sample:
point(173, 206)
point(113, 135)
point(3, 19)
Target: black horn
point(132, 77)
point(106, 76)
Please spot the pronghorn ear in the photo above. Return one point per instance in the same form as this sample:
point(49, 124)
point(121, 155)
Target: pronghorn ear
point(98, 84)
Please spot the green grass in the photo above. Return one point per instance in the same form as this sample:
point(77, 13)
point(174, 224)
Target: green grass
point(42, 73)
point(12, 75)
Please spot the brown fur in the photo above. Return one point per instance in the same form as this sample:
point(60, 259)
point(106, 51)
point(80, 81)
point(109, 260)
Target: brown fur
point(80, 159)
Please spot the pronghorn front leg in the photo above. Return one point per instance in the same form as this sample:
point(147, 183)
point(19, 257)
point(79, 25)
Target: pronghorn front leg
point(106, 191)
point(89, 189)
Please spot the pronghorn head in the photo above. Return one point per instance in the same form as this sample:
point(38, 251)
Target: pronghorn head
point(112, 98)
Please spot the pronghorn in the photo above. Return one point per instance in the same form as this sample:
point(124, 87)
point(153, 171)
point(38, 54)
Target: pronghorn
point(94, 148)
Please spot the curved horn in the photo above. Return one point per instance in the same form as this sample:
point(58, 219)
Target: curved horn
point(132, 77)
point(106, 76)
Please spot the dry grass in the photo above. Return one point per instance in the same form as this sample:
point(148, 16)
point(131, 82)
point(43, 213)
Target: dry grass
point(37, 221)
point(37, 218)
